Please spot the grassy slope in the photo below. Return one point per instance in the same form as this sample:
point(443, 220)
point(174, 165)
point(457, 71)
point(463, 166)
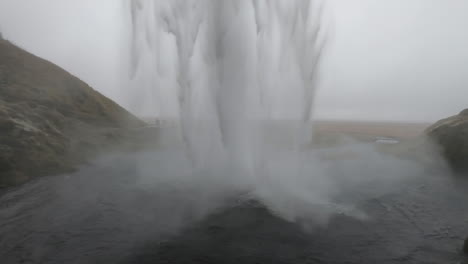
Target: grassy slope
point(49, 119)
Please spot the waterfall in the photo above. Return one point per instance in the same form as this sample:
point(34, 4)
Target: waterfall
point(239, 70)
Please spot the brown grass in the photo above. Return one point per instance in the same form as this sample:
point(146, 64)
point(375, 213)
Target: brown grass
point(373, 129)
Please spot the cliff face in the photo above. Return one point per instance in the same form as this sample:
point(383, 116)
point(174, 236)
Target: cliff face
point(50, 121)
point(452, 135)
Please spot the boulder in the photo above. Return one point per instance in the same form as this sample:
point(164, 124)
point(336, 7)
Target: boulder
point(451, 134)
point(50, 121)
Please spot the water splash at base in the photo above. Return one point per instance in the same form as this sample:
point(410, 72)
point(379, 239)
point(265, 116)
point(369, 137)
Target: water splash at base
point(240, 69)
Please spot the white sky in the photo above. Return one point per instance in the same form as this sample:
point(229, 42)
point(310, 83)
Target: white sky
point(389, 59)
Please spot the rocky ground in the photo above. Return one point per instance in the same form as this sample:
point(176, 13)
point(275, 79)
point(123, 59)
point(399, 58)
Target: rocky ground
point(452, 136)
point(129, 209)
point(50, 121)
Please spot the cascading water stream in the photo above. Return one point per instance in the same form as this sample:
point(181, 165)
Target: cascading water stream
point(238, 77)
point(242, 69)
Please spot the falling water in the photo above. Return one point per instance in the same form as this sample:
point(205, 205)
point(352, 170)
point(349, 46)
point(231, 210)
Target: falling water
point(240, 70)
point(239, 78)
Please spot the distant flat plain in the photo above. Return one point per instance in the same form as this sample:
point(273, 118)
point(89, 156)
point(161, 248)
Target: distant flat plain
point(399, 130)
point(361, 130)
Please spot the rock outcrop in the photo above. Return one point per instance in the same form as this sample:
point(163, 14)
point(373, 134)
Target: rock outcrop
point(50, 121)
point(452, 136)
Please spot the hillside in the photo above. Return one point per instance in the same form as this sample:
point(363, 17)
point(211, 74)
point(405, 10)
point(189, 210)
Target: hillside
point(50, 121)
point(452, 135)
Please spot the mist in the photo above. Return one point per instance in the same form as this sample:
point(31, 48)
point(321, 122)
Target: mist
point(386, 60)
point(243, 86)
point(158, 60)
point(397, 59)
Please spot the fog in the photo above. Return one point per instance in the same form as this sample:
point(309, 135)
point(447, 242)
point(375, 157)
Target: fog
point(110, 210)
point(215, 65)
point(388, 60)
point(397, 60)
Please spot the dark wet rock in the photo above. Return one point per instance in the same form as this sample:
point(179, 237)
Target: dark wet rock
point(50, 121)
point(244, 234)
point(452, 136)
point(465, 246)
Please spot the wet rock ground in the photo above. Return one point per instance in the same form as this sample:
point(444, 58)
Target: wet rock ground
point(103, 214)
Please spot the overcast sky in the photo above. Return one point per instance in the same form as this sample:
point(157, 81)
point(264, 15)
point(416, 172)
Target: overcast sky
point(389, 59)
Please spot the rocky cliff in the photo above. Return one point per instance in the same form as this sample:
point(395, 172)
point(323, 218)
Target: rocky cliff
point(50, 121)
point(452, 136)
